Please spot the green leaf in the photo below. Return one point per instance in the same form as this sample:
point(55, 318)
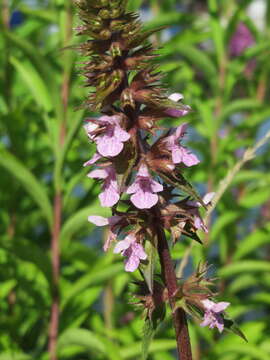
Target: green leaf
point(250, 351)
point(182, 184)
point(150, 327)
point(237, 106)
point(62, 152)
point(95, 277)
point(244, 266)
point(148, 270)
point(255, 197)
point(230, 325)
point(197, 57)
point(242, 282)
point(34, 83)
point(6, 287)
point(82, 337)
point(40, 14)
point(166, 19)
point(30, 52)
point(222, 221)
point(148, 334)
point(15, 356)
point(134, 350)
point(251, 243)
point(79, 219)
point(29, 251)
point(28, 181)
point(261, 298)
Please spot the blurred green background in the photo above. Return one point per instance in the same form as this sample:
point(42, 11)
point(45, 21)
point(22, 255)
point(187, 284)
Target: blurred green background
point(45, 197)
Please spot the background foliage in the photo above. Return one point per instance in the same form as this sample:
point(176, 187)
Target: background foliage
point(43, 148)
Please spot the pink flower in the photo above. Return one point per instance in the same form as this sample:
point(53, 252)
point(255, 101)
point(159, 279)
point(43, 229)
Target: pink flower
point(93, 160)
point(110, 194)
point(108, 135)
point(180, 153)
point(112, 221)
point(144, 190)
point(198, 221)
point(132, 250)
point(241, 40)
point(174, 112)
point(212, 315)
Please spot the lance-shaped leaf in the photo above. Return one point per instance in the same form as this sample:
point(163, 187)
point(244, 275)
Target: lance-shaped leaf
point(150, 327)
point(231, 325)
point(182, 184)
point(30, 183)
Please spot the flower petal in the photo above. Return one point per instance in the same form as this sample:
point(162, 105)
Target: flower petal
point(121, 246)
point(144, 200)
point(133, 188)
point(98, 174)
point(208, 304)
point(121, 134)
point(138, 250)
point(176, 97)
point(206, 321)
point(219, 323)
point(177, 154)
point(109, 146)
point(180, 131)
point(219, 307)
point(132, 263)
point(156, 187)
point(208, 197)
point(188, 158)
point(90, 127)
point(176, 112)
point(93, 160)
point(98, 220)
point(143, 171)
point(109, 197)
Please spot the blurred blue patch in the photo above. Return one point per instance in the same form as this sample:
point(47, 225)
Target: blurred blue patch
point(16, 19)
point(264, 128)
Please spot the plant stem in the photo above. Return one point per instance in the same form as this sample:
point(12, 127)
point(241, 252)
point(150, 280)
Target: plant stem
point(54, 321)
point(179, 315)
point(55, 247)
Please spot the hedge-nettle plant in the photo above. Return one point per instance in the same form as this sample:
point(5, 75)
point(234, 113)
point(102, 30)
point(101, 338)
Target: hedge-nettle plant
point(140, 166)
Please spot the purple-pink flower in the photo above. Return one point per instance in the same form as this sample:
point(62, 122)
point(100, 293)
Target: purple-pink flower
point(108, 135)
point(198, 221)
point(212, 315)
point(241, 40)
point(93, 160)
point(144, 189)
point(110, 191)
point(132, 250)
point(180, 153)
point(113, 223)
point(174, 112)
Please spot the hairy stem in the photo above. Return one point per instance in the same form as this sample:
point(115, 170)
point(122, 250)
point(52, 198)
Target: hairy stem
point(179, 316)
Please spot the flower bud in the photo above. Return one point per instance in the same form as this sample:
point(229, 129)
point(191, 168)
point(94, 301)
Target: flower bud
point(105, 34)
point(163, 165)
point(115, 49)
point(127, 98)
point(104, 14)
point(117, 25)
